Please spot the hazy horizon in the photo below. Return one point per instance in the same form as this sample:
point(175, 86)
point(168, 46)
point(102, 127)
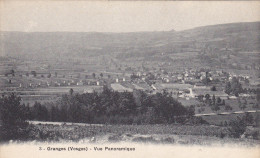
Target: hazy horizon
point(122, 17)
point(130, 31)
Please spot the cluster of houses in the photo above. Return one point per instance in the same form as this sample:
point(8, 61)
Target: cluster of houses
point(189, 83)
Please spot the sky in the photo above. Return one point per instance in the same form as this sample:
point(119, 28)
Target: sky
point(121, 16)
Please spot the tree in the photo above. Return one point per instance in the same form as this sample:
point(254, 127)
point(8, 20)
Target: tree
point(245, 102)
point(166, 108)
point(141, 100)
point(241, 105)
point(246, 81)
point(71, 91)
point(12, 72)
point(113, 107)
point(213, 88)
point(258, 97)
point(236, 86)
point(218, 101)
point(223, 102)
point(191, 111)
point(40, 112)
point(54, 114)
point(228, 89)
point(200, 98)
point(12, 116)
point(208, 100)
point(207, 96)
point(228, 107)
point(214, 99)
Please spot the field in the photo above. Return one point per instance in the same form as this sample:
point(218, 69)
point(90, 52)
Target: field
point(221, 119)
point(235, 107)
point(49, 94)
point(189, 102)
point(158, 134)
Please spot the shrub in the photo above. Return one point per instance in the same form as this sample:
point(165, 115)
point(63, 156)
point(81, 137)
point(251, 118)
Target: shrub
point(248, 118)
point(213, 88)
point(167, 140)
point(115, 138)
point(221, 135)
point(228, 107)
point(237, 127)
point(144, 139)
point(255, 135)
point(196, 121)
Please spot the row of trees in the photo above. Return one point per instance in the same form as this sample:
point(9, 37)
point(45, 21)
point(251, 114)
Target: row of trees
point(207, 99)
point(107, 107)
point(112, 107)
point(214, 102)
point(34, 73)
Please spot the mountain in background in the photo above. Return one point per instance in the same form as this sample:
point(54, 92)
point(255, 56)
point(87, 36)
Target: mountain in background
point(208, 42)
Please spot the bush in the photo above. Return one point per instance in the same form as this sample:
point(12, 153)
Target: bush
point(196, 121)
point(221, 135)
point(115, 138)
point(237, 127)
point(248, 118)
point(167, 140)
point(144, 140)
point(213, 88)
point(255, 135)
point(228, 107)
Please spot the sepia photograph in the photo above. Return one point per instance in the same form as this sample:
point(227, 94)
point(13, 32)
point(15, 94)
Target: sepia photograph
point(129, 79)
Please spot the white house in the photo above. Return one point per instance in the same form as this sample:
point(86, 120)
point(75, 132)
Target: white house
point(80, 83)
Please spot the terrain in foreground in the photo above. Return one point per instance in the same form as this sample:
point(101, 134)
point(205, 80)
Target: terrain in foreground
point(151, 134)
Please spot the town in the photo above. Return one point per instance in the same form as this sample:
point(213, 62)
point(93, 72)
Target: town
point(210, 91)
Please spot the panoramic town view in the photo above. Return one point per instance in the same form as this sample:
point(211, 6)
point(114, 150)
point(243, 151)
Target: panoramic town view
point(194, 86)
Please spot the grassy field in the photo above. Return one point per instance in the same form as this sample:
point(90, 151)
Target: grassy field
point(233, 103)
point(221, 119)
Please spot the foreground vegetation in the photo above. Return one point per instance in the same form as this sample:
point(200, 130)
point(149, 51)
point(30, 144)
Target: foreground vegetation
point(164, 116)
point(112, 108)
point(165, 134)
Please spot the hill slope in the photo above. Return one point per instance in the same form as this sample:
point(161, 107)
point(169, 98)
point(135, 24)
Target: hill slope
point(208, 41)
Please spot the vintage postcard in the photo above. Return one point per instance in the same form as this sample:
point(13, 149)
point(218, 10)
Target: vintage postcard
point(155, 79)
